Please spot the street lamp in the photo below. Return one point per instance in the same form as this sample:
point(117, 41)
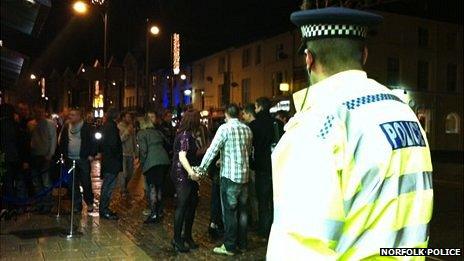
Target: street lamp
point(183, 77)
point(33, 77)
point(187, 92)
point(80, 7)
point(284, 87)
point(153, 30)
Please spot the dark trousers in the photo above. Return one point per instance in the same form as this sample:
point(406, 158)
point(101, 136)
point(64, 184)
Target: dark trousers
point(263, 183)
point(264, 195)
point(14, 186)
point(234, 197)
point(187, 201)
point(41, 181)
point(83, 179)
point(109, 182)
point(155, 181)
point(216, 208)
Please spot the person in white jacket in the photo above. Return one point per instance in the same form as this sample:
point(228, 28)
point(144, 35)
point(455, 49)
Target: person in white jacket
point(352, 173)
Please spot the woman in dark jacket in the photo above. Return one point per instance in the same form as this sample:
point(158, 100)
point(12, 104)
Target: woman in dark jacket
point(185, 155)
point(154, 161)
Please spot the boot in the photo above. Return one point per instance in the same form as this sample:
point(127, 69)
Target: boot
point(153, 217)
point(159, 210)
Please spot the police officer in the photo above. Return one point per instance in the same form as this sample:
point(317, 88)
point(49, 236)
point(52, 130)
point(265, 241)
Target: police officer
point(352, 174)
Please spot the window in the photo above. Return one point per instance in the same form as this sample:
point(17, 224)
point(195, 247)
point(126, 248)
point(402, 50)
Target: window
point(423, 37)
point(224, 91)
point(422, 75)
point(424, 118)
point(246, 57)
point(277, 78)
point(201, 70)
point(222, 65)
point(452, 123)
point(393, 71)
point(258, 55)
point(280, 52)
point(451, 41)
point(246, 90)
point(451, 77)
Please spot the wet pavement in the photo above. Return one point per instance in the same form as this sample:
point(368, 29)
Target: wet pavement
point(43, 237)
point(40, 237)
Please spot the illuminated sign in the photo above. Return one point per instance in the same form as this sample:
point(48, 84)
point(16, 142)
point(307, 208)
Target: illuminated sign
point(42, 87)
point(281, 106)
point(176, 53)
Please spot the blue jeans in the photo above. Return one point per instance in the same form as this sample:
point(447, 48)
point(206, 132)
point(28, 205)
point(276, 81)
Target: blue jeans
point(109, 182)
point(234, 197)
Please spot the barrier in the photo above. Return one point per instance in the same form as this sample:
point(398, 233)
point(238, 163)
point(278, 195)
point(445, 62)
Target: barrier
point(71, 233)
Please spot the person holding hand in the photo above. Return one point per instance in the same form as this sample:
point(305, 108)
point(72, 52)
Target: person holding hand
point(185, 156)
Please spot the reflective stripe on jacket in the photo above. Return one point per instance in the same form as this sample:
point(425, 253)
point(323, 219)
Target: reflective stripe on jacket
point(352, 174)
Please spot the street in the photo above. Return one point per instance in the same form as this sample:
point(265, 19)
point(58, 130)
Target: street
point(38, 237)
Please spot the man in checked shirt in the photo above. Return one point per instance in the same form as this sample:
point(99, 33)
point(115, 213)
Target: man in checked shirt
point(234, 140)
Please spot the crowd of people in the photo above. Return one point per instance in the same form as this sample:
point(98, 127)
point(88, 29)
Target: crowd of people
point(236, 155)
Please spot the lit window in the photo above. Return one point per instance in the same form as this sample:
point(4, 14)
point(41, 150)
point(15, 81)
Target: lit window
point(452, 123)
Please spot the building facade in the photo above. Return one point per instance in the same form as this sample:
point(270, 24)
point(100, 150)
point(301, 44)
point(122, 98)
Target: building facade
point(420, 59)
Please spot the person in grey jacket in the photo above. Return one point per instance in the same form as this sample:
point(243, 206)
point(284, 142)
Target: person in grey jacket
point(154, 161)
point(43, 145)
point(127, 133)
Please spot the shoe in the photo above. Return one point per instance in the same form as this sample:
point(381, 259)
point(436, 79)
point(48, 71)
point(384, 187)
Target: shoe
point(181, 248)
point(109, 216)
point(191, 244)
point(152, 219)
point(223, 251)
point(214, 233)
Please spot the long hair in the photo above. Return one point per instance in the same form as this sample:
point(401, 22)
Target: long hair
point(190, 121)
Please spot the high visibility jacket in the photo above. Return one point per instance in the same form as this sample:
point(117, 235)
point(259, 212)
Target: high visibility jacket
point(351, 175)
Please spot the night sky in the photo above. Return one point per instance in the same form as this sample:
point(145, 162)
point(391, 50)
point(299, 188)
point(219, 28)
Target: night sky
point(205, 26)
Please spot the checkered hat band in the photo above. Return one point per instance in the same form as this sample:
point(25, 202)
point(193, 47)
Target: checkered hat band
point(330, 30)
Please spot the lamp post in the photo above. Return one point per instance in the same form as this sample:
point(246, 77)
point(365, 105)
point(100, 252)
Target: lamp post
point(150, 30)
point(202, 99)
point(81, 7)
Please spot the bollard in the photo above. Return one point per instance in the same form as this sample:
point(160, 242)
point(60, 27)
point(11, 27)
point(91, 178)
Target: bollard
point(59, 188)
point(71, 227)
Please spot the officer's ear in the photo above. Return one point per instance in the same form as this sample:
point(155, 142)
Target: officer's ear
point(309, 59)
point(364, 55)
